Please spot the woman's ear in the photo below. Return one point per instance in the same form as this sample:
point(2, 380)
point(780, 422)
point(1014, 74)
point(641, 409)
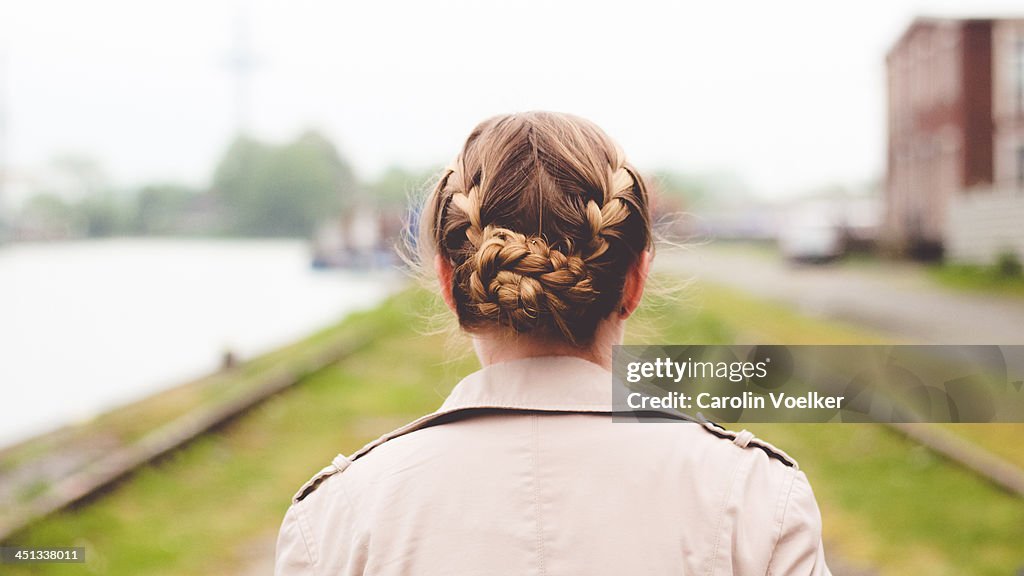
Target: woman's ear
point(443, 268)
point(636, 279)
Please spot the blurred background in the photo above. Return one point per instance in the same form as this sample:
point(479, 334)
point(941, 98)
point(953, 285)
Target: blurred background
point(200, 300)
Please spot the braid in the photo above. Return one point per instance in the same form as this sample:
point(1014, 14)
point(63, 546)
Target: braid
point(522, 281)
point(526, 253)
point(602, 220)
point(469, 203)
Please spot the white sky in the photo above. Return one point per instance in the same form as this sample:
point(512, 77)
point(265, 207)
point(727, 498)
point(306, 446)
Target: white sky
point(787, 94)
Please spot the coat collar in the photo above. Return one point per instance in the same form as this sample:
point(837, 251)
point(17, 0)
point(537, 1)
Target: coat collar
point(543, 383)
point(549, 383)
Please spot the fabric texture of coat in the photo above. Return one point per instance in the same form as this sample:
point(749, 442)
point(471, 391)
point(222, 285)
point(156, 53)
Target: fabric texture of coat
point(522, 471)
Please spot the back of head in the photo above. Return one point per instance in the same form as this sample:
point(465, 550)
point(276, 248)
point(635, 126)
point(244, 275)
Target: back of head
point(541, 219)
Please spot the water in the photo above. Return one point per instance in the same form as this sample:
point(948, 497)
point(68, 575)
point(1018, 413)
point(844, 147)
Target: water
point(85, 326)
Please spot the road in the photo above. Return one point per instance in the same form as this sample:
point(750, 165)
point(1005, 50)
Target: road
point(897, 299)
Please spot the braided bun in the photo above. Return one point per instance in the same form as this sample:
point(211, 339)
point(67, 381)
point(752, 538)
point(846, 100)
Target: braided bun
point(541, 218)
point(522, 282)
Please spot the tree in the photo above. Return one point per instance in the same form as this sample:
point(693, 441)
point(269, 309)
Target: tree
point(236, 182)
point(104, 214)
point(47, 215)
point(285, 190)
point(162, 208)
point(396, 186)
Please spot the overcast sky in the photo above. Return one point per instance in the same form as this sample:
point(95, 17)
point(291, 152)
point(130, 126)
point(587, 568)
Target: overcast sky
point(787, 94)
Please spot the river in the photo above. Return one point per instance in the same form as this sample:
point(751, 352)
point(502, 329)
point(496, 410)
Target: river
point(85, 326)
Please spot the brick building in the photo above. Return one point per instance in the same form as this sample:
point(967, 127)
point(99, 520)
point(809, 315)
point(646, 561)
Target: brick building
point(955, 178)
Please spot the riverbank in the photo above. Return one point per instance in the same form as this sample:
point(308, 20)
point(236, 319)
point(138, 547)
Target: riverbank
point(86, 326)
point(214, 507)
point(56, 469)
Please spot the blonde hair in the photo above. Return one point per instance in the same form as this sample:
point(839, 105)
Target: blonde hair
point(541, 218)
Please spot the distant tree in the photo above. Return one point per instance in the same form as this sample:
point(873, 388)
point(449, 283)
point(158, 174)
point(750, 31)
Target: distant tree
point(236, 181)
point(397, 185)
point(48, 215)
point(104, 214)
point(162, 208)
point(285, 190)
point(76, 199)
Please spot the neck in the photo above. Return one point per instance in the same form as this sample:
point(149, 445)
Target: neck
point(492, 348)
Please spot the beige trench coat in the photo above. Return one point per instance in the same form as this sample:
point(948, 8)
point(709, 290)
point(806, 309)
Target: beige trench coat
point(522, 471)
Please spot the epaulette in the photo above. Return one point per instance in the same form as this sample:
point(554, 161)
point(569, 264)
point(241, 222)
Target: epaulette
point(746, 439)
point(337, 465)
point(341, 462)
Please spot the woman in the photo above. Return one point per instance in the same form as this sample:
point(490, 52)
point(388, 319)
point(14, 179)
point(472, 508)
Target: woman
point(540, 236)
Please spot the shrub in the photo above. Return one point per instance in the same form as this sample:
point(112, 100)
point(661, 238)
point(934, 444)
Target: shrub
point(1008, 264)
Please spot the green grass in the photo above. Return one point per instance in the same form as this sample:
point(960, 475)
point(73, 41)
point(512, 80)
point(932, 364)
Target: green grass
point(998, 439)
point(194, 512)
point(981, 279)
point(893, 504)
point(885, 501)
point(126, 424)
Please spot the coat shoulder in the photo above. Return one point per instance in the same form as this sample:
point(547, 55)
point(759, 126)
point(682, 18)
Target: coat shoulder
point(337, 466)
point(342, 462)
point(746, 440)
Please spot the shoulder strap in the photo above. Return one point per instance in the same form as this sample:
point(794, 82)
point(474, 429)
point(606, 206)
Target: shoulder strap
point(422, 422)
point(743, 439)
point(746, 439)
point(341, 462)
point(337, 465)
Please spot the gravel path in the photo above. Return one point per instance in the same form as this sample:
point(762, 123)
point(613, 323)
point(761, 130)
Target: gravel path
point(897, 299)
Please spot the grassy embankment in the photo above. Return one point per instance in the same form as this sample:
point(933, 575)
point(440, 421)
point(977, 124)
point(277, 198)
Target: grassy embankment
point(31, 468)
point(885, 501)
point(978, 279)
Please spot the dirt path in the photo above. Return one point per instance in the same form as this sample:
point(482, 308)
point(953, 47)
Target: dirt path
point(897, 299)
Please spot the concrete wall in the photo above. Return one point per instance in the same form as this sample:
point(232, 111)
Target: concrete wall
point(981, 224)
